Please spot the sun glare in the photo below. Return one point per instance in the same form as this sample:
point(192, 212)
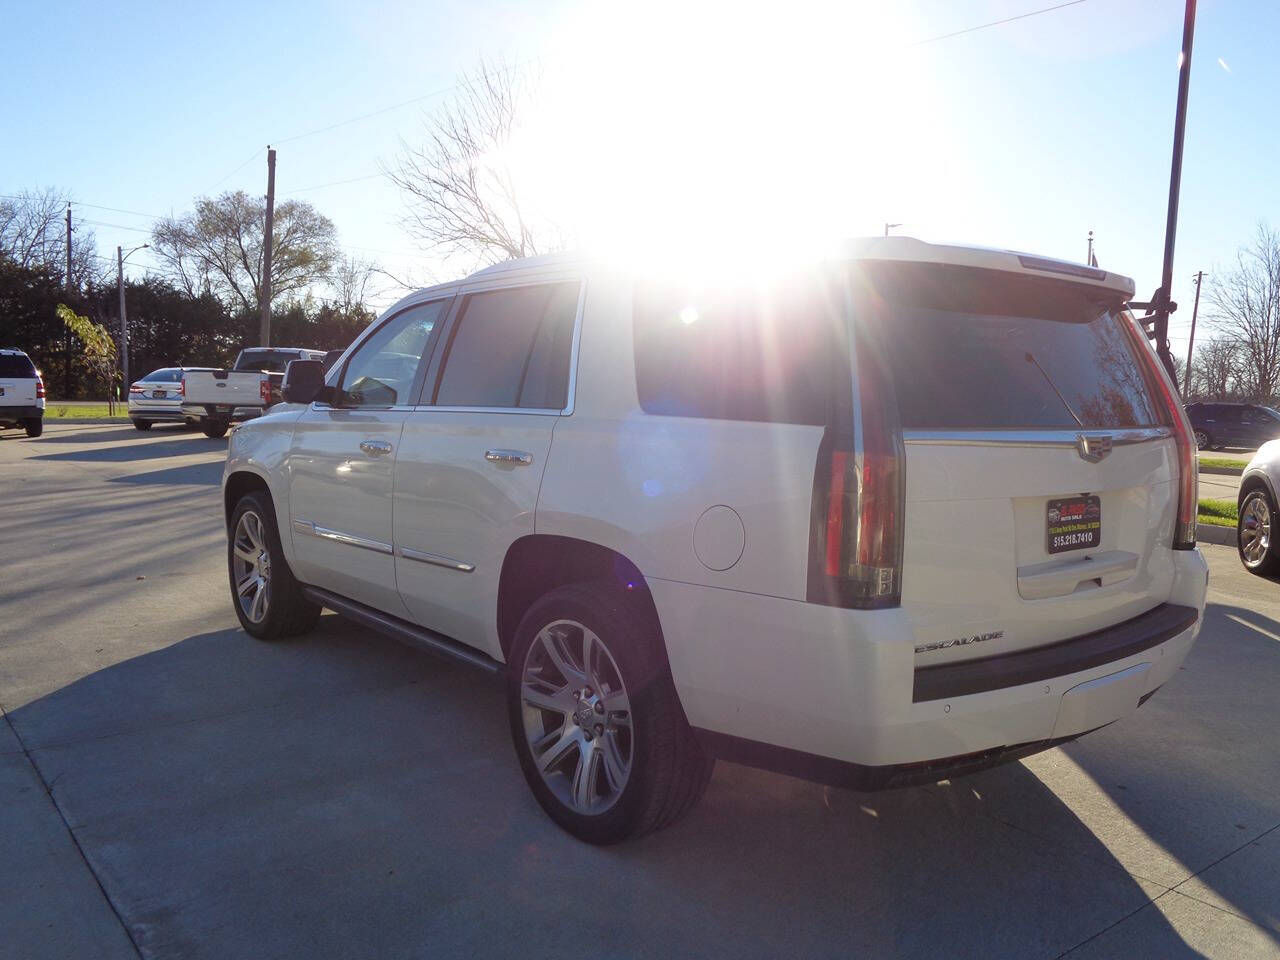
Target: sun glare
point(718, 131)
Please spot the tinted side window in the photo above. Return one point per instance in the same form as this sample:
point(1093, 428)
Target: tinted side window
point(742, 354)
point(382, 371)
point(510, 348)
point(12, 365)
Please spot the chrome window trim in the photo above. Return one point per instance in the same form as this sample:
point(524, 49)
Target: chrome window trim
point(311, 530)
point(1032, 438)
point(536, 411)
point(435, 559)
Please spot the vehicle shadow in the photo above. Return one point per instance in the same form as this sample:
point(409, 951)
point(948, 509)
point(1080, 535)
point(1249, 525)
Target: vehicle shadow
point(110, 434)
point(205, 474)
point(150, 450)
point(339, 795)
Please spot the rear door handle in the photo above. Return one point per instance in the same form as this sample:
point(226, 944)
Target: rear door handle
point(375, 448)
point(508, 456)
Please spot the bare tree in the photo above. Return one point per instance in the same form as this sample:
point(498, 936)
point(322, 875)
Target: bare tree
point(350, 279)
point(1245, 306)
point(461, 183)
point(1215, 370)
point(33, 234)
point(218, 248)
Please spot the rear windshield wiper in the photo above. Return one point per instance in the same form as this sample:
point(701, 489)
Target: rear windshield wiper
point(1053, 386)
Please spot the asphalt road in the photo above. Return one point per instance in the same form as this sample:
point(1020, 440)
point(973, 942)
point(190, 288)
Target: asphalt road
point(171, 787)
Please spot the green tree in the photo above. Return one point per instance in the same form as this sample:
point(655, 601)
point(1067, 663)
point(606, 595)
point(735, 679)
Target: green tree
point(99, 350)
point(218, 249)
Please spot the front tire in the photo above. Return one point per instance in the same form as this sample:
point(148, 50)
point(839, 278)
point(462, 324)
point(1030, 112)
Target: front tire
point(1203, 440)
point(34, 427)
point(213, 429)
point(595, 718)
point(1254, 533)
point(143, 425)
point(267, 597)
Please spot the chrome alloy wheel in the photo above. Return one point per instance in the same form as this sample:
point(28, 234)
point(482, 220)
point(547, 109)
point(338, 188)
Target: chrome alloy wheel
point(1255, 531)
point(251, 563)
point(577, 717)
point(1202, 440)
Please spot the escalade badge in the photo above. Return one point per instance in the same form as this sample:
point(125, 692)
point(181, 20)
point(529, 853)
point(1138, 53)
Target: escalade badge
point(1093, 447)
point(959, 641)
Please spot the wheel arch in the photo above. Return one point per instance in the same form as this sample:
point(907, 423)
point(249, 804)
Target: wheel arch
point(1250, 482)
point(539, 563)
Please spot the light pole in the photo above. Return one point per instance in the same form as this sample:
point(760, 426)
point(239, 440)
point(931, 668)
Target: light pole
point(890, 226)
point(121, 257)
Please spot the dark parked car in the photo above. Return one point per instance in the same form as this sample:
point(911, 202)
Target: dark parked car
point(1218, 425)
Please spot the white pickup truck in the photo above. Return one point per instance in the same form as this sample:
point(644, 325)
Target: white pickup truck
point(216, 397)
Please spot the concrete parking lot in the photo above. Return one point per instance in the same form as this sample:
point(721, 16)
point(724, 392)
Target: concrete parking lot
point(171, 787)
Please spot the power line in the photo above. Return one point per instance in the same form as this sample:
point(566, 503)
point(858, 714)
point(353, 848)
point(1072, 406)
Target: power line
point(253, 156)
point(333, 183)
point(118, 226)
point(366, 116)
point(995, 23)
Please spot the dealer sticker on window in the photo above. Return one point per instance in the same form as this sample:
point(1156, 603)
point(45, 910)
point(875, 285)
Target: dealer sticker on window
point(1074, 523)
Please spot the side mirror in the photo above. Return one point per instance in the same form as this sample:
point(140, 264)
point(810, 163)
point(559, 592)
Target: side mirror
point(304, 382)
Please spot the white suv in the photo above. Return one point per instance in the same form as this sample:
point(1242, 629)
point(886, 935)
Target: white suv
point(901, 515)
point(21, 393)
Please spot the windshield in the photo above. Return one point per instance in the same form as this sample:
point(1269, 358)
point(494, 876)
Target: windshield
point(268, 361)
point(978, 348)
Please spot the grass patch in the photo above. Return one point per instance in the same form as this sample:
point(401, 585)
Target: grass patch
point(1220, 513)
point(1229, 462)
point(84, 411)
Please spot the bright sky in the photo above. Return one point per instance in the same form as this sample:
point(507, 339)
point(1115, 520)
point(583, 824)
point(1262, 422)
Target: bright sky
point(776, 122)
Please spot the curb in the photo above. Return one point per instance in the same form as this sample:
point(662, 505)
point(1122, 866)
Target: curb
point(1213, 533)
point(1223, 471)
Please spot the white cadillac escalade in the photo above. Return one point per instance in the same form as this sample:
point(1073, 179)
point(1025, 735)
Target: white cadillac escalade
point(901, 514)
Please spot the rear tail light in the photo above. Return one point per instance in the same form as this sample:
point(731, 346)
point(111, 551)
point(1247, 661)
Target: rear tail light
point(135, 388)
point(265, 389)
point(1172, 415)
point(182, 387)
point(856, 532)
point(39, 387)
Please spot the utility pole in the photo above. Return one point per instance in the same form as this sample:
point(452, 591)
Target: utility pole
point(264, 293)
point(1191, 340)
point(1163, 302)
point(68, 250)
point(124, 318)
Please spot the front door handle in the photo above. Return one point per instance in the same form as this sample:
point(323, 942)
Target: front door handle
point(508, 456)
point(375, 448)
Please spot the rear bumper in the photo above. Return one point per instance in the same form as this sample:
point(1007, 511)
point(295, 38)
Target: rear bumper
point(201, 411)
point(171, 412)
point(832, 694)
point(15, 414)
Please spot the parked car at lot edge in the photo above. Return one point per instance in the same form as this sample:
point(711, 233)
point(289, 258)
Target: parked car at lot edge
point(1243, 425)
point(1257, 511)
point(215, 398)
point(157, 397)
point(829, 523)
point(21, 393)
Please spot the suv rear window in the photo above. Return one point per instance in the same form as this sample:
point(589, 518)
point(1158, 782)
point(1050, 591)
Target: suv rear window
point(981, 348)
point(16, 365)
point(746, 353)
point(270, 361)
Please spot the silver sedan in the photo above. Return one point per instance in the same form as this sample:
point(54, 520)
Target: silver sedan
point(157, 397)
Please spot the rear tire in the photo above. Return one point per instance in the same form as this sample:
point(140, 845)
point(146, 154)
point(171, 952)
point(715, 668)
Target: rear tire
point(1254, 533)
point(267, 597)
point(35, 427)
point(143, 425)
point(213, 429)
point(609, 728)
